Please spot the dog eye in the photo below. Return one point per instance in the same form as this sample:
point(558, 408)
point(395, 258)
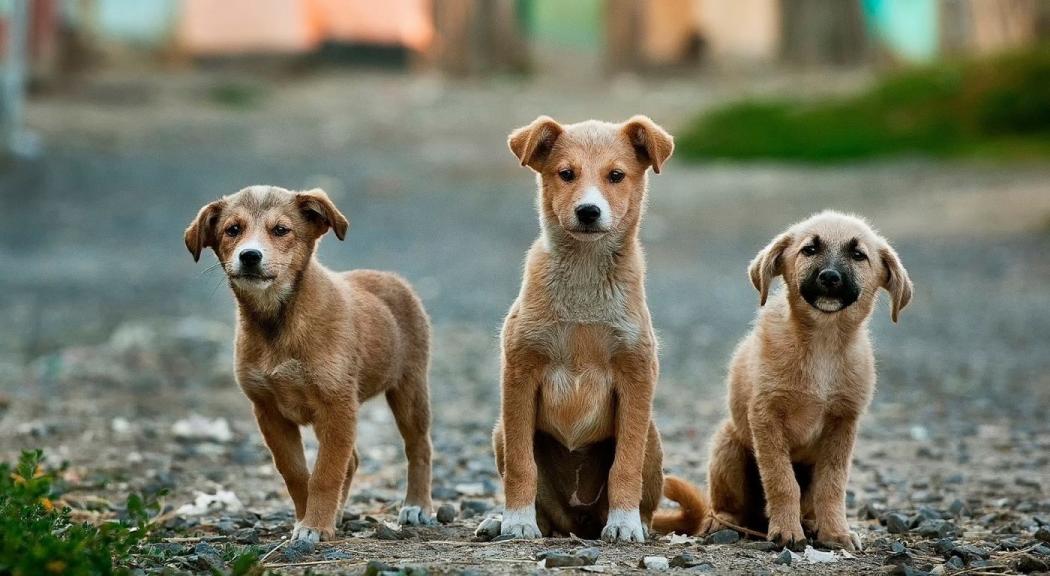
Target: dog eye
point(616, 176)
point(859, 256)
point(233, 231)
point(567, 175)
point(279, 230)
point(809, 249)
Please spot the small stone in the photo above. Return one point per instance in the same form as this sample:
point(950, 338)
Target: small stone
point(209, 557)
point(296, 550)
point(944, 546)
point(357, 525)
point(1026, 563)
point(1011, 543)
point(561, 559)
point(906, 570)
point(898, 548)
point(489, 528)
point(784, 558)
point(336, 554)
point(246, 536)
point(725, 536)
point(970, 553)
point(384, 532)
point(896, 523)
point(761, 545)
point(870, 511)
point(655, 563)
point(935, 528)
point(1043, 534)
point(1041, 550)
point(955, 563)
point(446, 514)
point(897, 559)
point(685, 560)
point(471, 508)
point(957, 508)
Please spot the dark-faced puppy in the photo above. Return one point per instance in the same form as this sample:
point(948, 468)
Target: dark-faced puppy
point(575, 443)
point(312, 344)
point(799, 382)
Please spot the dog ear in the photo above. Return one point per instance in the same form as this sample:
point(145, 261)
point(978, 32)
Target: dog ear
point(897, 282)
point(532, 144)
point(651, 142)
point(319, 209)
point(202, 232)
point(767, 265)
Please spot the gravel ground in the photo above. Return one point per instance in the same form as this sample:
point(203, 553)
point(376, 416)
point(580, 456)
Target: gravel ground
point(116, 356)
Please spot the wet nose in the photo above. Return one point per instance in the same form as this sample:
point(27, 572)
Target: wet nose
point(830, 278)
point(588, 213)
point(250, 257)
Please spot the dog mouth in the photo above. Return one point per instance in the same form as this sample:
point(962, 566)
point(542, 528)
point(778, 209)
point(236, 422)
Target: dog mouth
point(829, 304)
point(252, 278)
point(587, 233)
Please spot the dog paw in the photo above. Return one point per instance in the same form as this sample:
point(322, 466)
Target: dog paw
point(624, 526)
point(414, 516)
point(786, 534)
point(520, 523)
point(848, 540)
point(312, 535)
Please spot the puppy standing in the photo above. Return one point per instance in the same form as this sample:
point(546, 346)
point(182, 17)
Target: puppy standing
point(575, 444)
point(801, 379)
point(312, 344)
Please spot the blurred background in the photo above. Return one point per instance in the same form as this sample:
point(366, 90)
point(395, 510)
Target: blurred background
point(120, 118)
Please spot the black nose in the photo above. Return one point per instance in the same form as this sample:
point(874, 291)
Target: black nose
point(830, 278)
point(588, 213)
point(250, 257)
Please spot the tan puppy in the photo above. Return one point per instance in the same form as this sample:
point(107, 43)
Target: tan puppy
point(313, 344)
point(801, 379)
point(575, 444)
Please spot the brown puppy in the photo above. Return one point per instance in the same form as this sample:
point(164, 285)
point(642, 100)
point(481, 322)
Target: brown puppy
point(801, 379)
point(313, 344)
point(575, 444)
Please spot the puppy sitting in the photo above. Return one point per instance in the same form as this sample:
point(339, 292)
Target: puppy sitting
point(801, 379)
point(575, 442)
point(312, 344)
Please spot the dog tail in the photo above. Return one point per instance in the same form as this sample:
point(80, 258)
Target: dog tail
point(692, 510)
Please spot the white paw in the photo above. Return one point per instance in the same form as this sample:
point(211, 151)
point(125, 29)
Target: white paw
point(855, 538)
point(520, 523)
point(300, 532)
point(624, 526)
point(413, 516)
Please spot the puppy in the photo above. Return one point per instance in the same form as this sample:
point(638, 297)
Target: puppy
point(575, 443)
point(801, 379)
point(312, 344)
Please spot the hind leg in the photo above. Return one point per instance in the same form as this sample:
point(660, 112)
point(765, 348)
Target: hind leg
point(727, 478)
point(410, 402)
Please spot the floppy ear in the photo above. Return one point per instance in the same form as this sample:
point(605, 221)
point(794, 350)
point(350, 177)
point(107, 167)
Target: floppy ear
point(532, 144)
point(319, 210)
point(897, 282)
point(202, 232)
point(651, 142)
point(767, 265)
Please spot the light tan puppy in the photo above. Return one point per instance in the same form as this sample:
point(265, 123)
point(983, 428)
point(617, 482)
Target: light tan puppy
point(575, 442)
point(312, 344)
point(799, 382)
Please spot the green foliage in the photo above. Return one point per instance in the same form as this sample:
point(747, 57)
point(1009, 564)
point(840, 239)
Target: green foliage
point(39, 537)
point(998, 107)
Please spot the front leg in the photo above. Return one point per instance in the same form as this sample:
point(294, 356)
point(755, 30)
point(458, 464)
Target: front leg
point(773, 456)
point(636, 378)
point(283, 439)
point(336, 428)
point(518, 417)
point(829, 482)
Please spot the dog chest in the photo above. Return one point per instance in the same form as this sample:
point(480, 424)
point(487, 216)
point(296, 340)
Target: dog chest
point(284, 386)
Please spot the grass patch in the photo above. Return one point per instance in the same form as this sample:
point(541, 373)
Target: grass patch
point(996, 108)
point(39, 536)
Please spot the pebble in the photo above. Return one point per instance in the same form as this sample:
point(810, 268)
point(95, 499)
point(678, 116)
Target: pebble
point(357, 525)
point(246, 536)
point(384, 532)
point(297, 550)
point(725, 536)
point(685, 560)
point(471, 508)
point(656, 563)
point(1043, 534)
point(784, 558)
point(935, 528)
point(336, 554)
point(955, 563)
point(489, 528)
point(1026, 563)
point(970, 553)
point(209, 557)
point(896, 523)
point(957, 508)
point(906, 570)
point(898, 558)
point(446, 514)
point(761, 546)
point(561, 559)
point(1012, 543)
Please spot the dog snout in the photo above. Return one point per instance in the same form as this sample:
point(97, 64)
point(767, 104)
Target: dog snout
point(830, 279)
point(588, 214)
point(250, 257)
